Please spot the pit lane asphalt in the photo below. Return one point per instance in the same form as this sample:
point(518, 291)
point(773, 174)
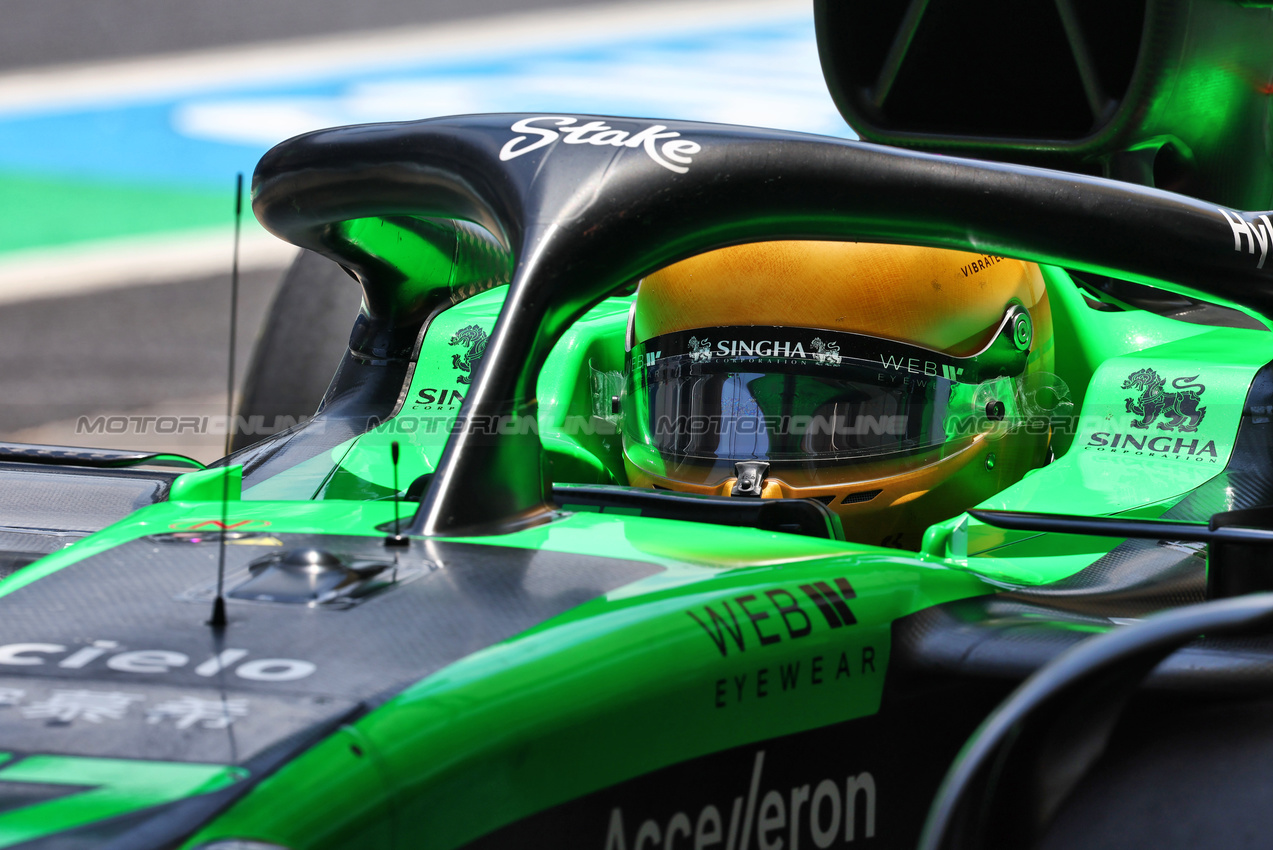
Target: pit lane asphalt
point(160, 349)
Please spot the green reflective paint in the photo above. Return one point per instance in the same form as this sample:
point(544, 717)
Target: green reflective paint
point(1084, 338)
point(580, 446)
point(208, 485)
point(629, 683)
point(181, 460)
point(331, 798)
point(113, 787)
point(407, 243)
point(667, 541)
point(301, 480)
point(435, 262)
point(1129, 457)
point(448, 355)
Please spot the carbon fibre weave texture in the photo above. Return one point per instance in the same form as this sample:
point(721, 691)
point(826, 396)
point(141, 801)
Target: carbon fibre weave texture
point(466, 598)
point(61, 499)
point(19, 547)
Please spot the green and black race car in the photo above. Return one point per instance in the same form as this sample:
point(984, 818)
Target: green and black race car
point(440, 614)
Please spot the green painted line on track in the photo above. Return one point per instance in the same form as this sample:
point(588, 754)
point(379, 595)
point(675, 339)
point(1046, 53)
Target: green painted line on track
point(47, 212)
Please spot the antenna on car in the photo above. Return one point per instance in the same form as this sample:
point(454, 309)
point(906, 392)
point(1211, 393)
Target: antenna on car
point(396, 539)
point(218, 620)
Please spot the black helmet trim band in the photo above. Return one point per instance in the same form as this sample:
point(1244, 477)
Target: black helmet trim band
point(1005, 355)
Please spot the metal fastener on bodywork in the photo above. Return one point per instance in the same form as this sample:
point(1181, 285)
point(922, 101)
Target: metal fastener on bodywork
point(751, 478)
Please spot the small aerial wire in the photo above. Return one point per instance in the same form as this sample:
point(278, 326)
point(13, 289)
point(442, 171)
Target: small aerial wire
point(397, 539)
point(218, 620)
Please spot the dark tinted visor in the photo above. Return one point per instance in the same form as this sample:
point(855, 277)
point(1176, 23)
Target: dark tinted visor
point(794, 394)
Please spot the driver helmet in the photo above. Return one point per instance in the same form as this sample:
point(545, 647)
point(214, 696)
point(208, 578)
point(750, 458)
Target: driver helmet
point(889, 382)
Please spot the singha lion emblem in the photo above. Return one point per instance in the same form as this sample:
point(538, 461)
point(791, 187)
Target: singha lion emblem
point(473, 338)
point(700, 350)
point(1153, 402)
point(825, 352)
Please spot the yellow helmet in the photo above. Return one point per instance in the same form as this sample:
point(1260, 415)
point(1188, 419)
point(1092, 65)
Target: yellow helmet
point(884, 380)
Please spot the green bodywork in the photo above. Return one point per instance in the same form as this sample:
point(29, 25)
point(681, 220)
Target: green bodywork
point(718, 650)
point(101, 789)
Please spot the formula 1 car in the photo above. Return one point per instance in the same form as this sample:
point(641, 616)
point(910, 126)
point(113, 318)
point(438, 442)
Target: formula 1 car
point(439, 613)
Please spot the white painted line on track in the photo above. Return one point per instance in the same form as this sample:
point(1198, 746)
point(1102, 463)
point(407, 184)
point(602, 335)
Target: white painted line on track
point(47, 89)
point(135, 261)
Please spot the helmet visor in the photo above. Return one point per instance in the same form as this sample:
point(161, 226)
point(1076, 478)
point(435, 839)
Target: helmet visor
point(793, 394)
